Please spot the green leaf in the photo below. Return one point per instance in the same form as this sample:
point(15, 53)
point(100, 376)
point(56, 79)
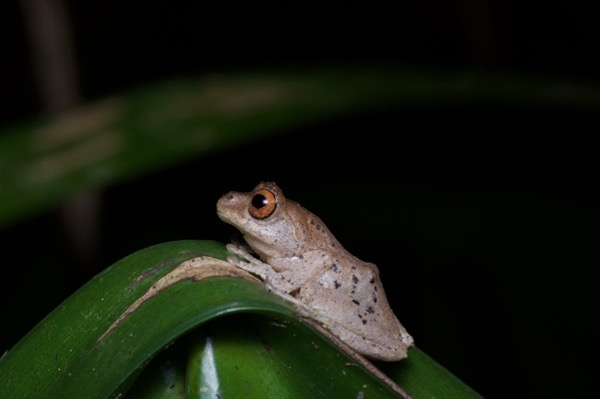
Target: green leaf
point(256, 348)
point(142, 131)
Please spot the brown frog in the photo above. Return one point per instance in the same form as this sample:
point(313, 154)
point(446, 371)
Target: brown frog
point(301, 261)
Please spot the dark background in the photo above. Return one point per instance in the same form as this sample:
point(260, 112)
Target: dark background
point(481, 216)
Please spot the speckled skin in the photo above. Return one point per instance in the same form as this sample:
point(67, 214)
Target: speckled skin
point(303, 262)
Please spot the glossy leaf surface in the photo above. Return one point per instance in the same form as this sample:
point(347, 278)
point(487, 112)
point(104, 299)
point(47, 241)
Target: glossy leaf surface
point(259, 349)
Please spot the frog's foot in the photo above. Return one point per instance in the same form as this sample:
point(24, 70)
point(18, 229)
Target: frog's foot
point(241, 250)
point(243, 259)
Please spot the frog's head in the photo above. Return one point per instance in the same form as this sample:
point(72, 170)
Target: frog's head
point(262, 218)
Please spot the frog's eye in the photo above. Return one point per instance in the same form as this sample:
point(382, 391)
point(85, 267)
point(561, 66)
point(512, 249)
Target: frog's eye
point(263, 204)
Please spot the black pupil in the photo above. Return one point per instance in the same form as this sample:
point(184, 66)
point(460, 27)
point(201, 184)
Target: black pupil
point(259, 200)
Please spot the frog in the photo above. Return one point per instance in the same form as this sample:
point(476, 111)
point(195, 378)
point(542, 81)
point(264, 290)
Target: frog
point(296, 256)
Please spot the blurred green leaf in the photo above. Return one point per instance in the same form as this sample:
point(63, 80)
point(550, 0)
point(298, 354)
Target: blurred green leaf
point(131, 134)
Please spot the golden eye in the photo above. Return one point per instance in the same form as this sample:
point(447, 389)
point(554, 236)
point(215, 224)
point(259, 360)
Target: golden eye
point(263, 204)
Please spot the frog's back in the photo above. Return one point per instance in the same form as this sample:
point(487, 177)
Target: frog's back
point(311, 230)
point(364, 320)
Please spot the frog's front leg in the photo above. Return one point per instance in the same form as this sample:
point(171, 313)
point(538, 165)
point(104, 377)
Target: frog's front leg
point(273, 280)
point(248, 262)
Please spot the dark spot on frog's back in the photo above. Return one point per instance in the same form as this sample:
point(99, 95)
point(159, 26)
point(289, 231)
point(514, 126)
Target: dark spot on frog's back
point(372, 280)
point(355, 279)
point(336, 284)
point(356, 302)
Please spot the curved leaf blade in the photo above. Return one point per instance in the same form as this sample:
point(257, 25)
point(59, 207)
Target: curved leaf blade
point(62, 356)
